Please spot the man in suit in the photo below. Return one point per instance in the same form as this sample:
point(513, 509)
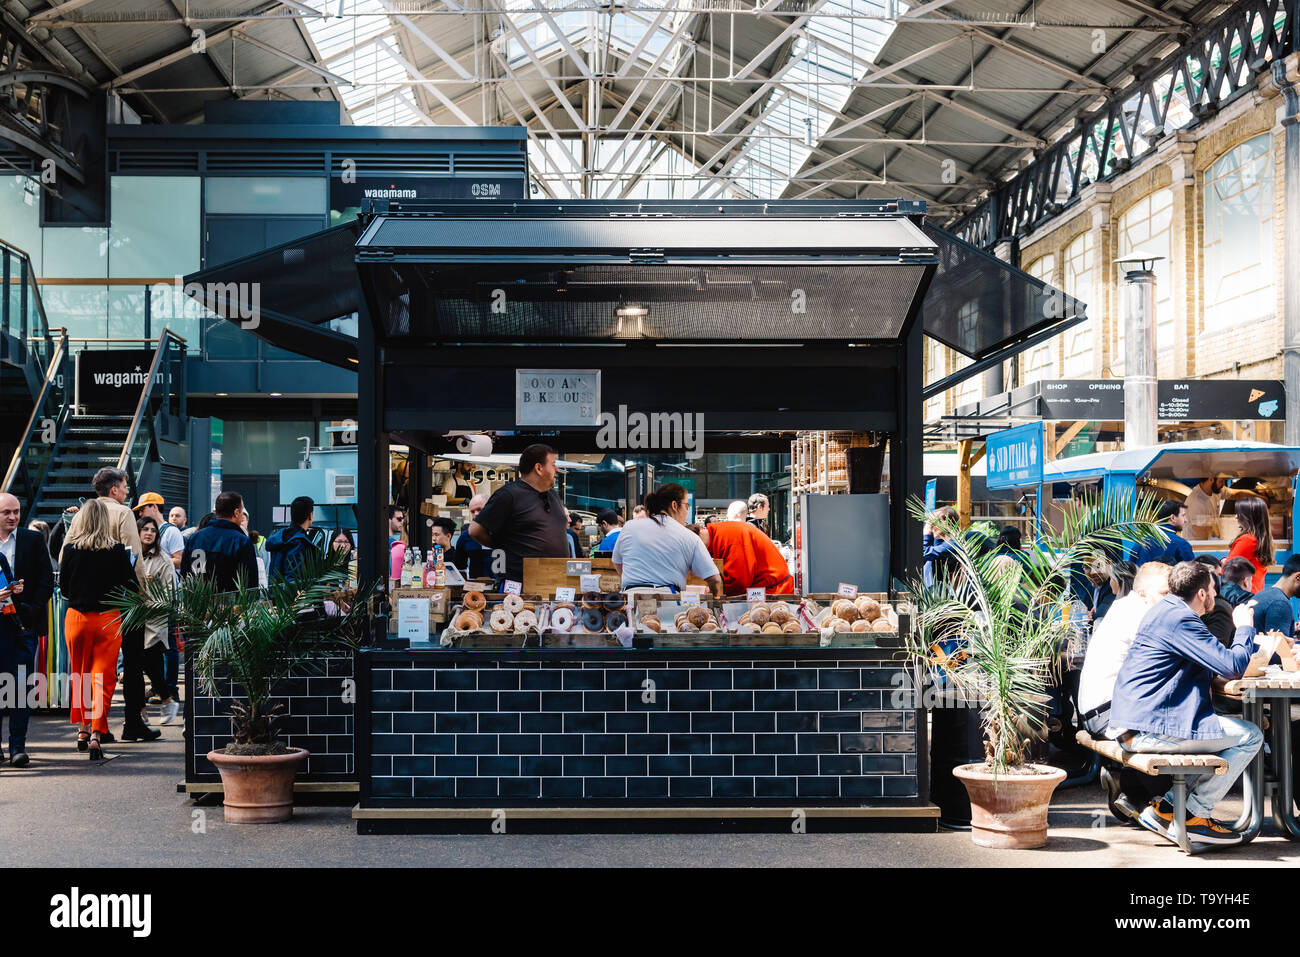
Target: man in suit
point(24, 597)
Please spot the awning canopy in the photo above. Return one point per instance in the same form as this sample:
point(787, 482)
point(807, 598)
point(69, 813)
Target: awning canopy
point(1185, 461)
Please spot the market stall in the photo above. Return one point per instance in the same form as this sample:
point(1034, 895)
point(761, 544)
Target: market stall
point(746, 323)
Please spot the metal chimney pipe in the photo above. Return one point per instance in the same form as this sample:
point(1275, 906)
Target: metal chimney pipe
point(1139, 350)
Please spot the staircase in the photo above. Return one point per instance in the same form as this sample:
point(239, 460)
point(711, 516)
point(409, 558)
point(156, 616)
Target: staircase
point(86, 445)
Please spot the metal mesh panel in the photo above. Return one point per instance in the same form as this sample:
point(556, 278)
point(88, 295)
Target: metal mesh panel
point(977, 304)
point(603, 302)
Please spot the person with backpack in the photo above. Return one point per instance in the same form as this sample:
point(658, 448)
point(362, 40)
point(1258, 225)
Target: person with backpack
point(288, 546)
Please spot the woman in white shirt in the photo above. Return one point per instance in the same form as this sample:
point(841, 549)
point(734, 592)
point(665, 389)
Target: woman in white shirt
point(659, 551)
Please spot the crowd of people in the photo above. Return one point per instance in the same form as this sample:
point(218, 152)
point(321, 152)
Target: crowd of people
point(101, 547)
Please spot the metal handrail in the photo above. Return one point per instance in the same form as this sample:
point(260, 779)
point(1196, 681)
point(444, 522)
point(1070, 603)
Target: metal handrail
point(38, 409)
point(145, 391)
point(31, 275)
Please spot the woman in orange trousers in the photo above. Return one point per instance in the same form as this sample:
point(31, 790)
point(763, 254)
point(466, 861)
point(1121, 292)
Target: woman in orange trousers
point(92, 567)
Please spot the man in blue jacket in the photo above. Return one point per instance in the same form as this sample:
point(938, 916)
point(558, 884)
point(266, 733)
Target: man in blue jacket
point(1162, 703)
point(288, 546)
point(1172, 548)
point(221, 550)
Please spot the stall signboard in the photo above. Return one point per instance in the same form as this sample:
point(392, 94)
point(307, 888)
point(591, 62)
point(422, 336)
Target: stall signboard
point(931, 494)
point(350, 194)
point(1177, 400)
point(110, 380)
point(557, 397)
point(1015, 457)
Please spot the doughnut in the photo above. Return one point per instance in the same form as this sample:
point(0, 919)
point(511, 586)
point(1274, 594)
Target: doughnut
point(861, 625)
point(562, 618)
point(469, 621)
point(615, 602)
point(882, 624)
point(592, 619)
point(760, 614)
point(780, 616)
point(592, 599)
point(501, 621)
point(615, 620)
point(771, 628)
point(513, 604)
point(697, 616)
point(525, 619)
point(474, 600)
point(792, 628)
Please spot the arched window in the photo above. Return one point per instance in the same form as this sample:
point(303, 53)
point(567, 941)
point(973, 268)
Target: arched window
point(1039, 362)
point(1146, 226)
point(1239, 235)
point(1079, 262)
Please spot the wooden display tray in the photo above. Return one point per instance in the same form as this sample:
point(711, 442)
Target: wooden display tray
point(543, 575)
point(440, 601)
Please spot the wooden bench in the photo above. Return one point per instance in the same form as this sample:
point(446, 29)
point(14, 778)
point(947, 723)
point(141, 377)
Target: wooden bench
point(1177, 766)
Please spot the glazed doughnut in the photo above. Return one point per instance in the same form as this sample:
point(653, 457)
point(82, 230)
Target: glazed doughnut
point(592, 599)
point(525, 619)
point(697, 616)
point(474, 600)
point(615, 602)
point(615, 620)
point(861, 625)
point(592, 619)
point(513, 604)
point(760, 614)
point(469, 621)
point(501, 621)
point(792, 628)
point(562, 618)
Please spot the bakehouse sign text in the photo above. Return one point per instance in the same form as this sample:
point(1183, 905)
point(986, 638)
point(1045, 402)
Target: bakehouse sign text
point(557, 396)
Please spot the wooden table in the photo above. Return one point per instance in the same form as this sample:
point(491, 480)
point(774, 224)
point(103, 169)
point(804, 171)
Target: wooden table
point(1255, 693)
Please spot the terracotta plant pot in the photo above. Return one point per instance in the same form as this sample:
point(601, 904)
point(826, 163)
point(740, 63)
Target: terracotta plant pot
point(1013, 811)
point(258, 788)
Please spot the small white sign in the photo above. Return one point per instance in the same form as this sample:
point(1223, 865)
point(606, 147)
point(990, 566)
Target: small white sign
point(755, 594)
point(564, 594)
point(590, 582)
point(413, 618)
point(848, 591)
point(475, 586)
point(514, 588)
point(557, 397)
point(690, 598)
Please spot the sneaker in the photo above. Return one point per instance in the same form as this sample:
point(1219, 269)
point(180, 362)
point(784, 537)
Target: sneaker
point(144, 718)
point(1118, 802)
point(169, 711)
point(1206, 830)
point(19, 759)
point(1158, 816)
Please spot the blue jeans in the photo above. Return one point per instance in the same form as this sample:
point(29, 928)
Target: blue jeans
point(17, 653)
point(1240, 743)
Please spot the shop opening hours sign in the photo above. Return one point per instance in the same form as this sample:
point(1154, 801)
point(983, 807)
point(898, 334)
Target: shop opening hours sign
point(557, 396)
point(1015, 457)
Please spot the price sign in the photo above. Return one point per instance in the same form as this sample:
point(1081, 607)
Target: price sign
point(755, 594)
point(564, 594)
point(848, 591)
point(646, 606)
point(475, 586)
point(590, 582)
point(690, 598)
point(413, 618)
point(516, 588)
point(581, 567)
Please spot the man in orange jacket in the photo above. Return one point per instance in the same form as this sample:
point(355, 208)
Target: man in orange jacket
point(749, 558)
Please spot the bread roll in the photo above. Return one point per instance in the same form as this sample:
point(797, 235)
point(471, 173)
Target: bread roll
point(861, 625)
point(760, 614)
point(771, 628)
point(697, 616)
point(781, 616)
point(882, 624)
point(792, 628)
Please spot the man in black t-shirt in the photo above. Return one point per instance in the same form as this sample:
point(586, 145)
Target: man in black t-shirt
point(525, 517)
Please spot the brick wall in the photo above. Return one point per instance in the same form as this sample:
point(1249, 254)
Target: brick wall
point(466, 728)
point(316, 716)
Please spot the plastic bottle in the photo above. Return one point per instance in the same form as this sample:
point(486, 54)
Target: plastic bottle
point(439, 568)
point(408, 569)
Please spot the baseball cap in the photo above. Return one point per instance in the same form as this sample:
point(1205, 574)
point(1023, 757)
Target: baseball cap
point(149, 498)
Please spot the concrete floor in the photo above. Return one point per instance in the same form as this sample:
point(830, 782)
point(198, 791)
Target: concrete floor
point(63, 811)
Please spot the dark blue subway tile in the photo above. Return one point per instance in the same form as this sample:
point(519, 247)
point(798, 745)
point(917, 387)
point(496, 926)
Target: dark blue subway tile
point(498, 766)
point(516, 787)
point(882, 721)
point(561, 700)
point(643, 701)
point(837, 678)
point(587, 766)
point(733, 743)
point(412, 680)
point(689, 701)
point(626, 765)
point(797, 678)
point(796, 764)
point(883, 764)
point(819, 743)
point(502, 679)
point(544, 680)
point(774, 787)
point(841, 764)
point(403, 722)
point(392, 743)
point(669, 679)
point(476, 788)
point(883, 677)
point(434, 701)
point(669, 764)
point(705, 765)
point(704, 722)
point(623, 722)
point(733, 787)
point(818, 700)
point(474, 701)
point(710, 678)
point(755, 764)
point(543, 723)
point(562, 744)
point(755, 721)
point(688, 743)
point(604, 787)
point(521, 744)
point(864, 786)
point(861, 700)
point(624, 679)
point(647, 744)
point(819, 787)
point(605, 743)
point(647, 788)
point(456, 766)
point(796, 720)
point(900, 785)
point(733, 701)
point(900, 742)
point(584, 680)
point(541, 765)
point(584, 723)
point(454, 679)
point(391, 700)
point(553, 788)
point(751, 678)
point(774, 701)
point(603, 700)
point(456, 723)
point(670, 722)
point(689, 787)
point(840, 721)
point(439, 787)
point(390, 787)
point(476, 744)
point(520, 701)
point(415, 765)
point(381, 679)
point(774, 743)
point(498, 723)
point(859, 743)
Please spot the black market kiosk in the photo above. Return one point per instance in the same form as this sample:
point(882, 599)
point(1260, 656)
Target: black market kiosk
point(764, 318)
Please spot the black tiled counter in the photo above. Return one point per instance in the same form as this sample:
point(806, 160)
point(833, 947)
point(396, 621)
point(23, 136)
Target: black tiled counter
point(318, 714)
point(781, 729)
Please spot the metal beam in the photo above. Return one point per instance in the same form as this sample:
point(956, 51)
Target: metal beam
point(437, 93)
point(297, 61)
point(776, 42)
point(425, 39)
point(58, 10)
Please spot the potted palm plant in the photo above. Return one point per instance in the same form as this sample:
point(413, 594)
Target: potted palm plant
point(256, 638)
point(992, 629)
